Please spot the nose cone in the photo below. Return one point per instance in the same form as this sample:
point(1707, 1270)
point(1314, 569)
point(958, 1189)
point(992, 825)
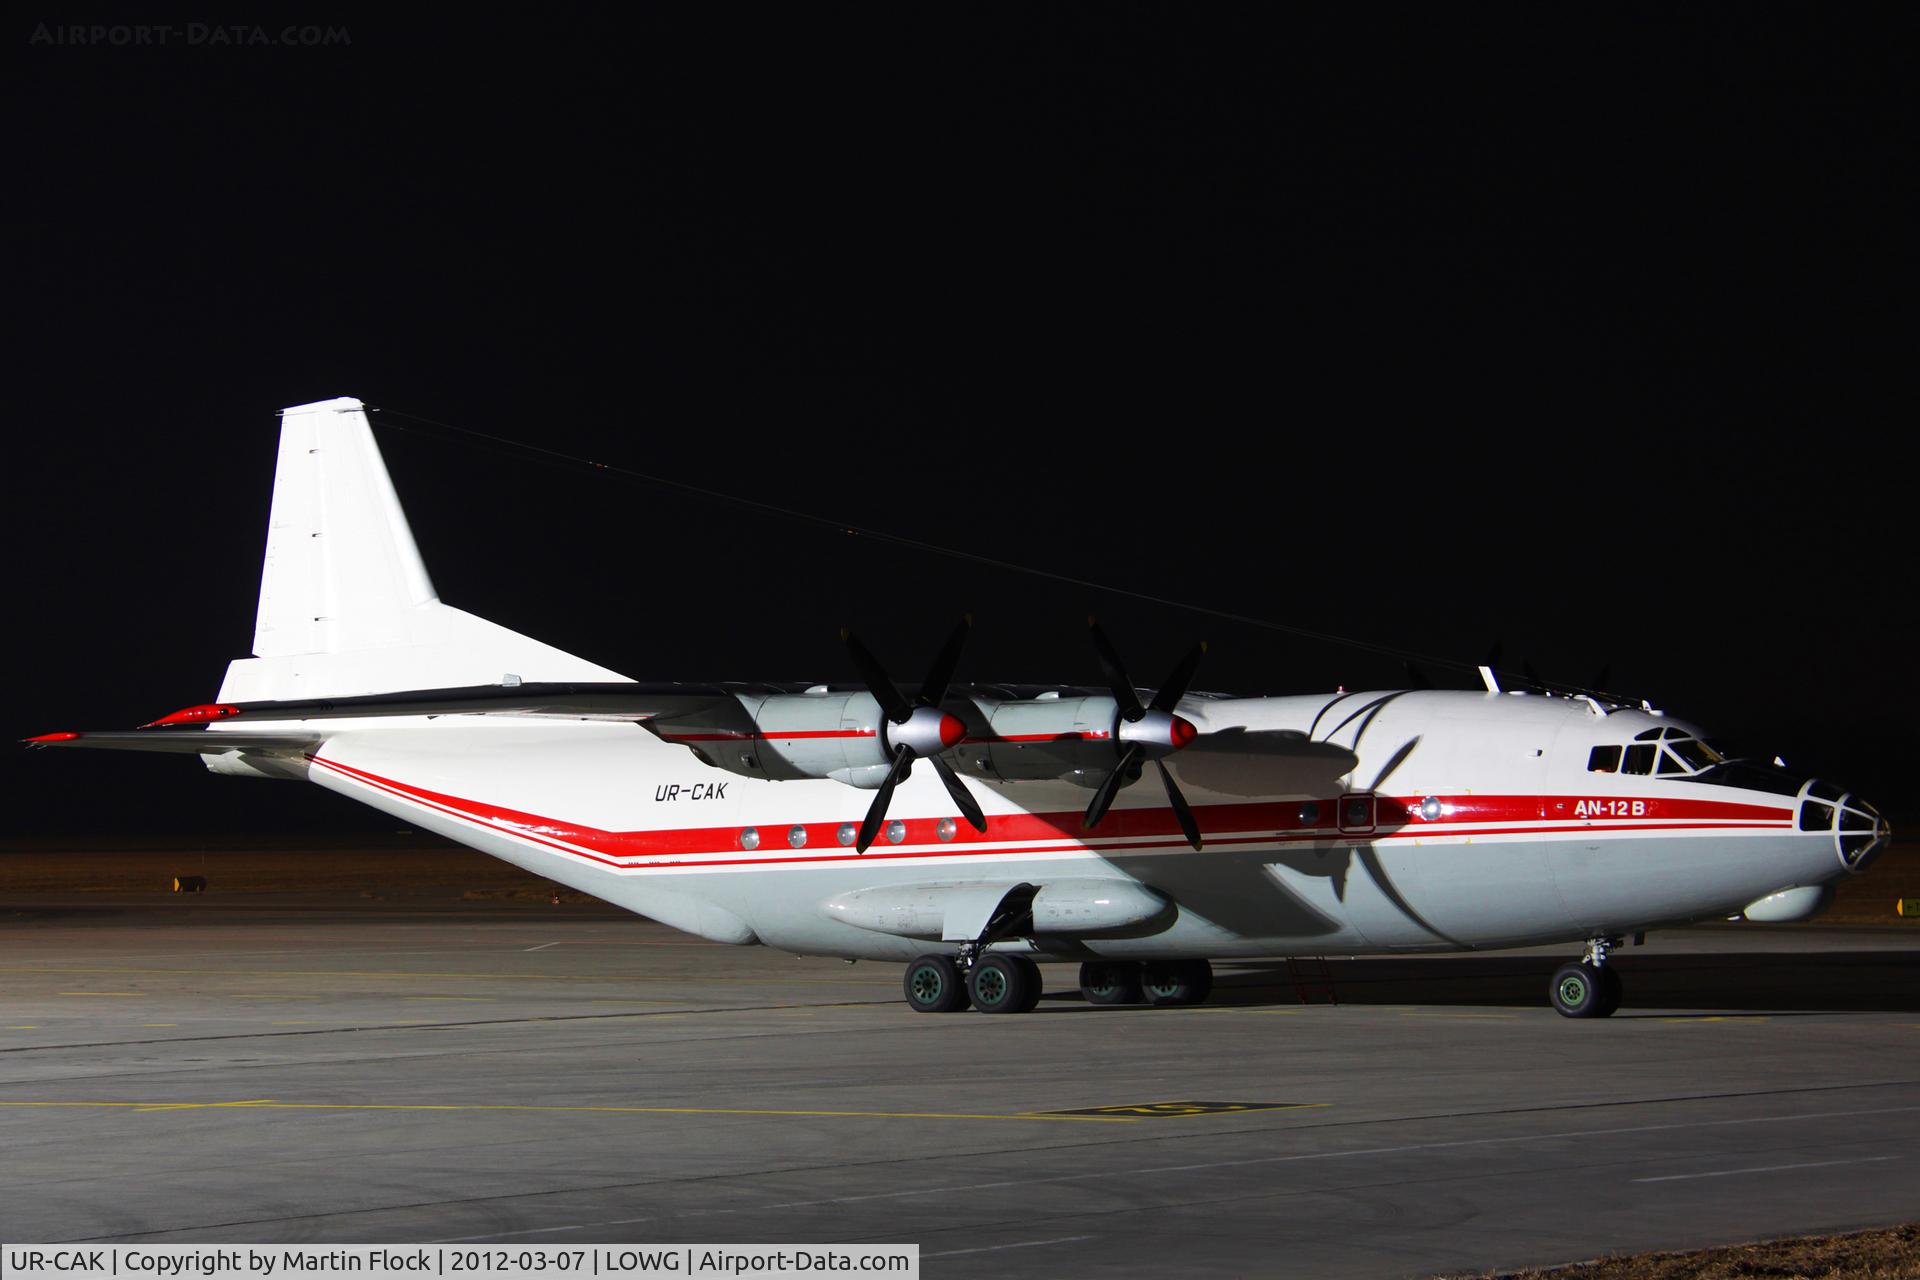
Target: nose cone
point(1863, 833)
point(1859, 832)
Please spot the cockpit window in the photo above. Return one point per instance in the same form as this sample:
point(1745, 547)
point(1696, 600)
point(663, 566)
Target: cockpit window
point(1665, 750)
point(1696, 753)
point(1670, 764)
point(1750, 775)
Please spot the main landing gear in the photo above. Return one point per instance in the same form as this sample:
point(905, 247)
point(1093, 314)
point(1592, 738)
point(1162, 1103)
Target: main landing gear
point(996, 982)
point(1157, 982)
point(1589, 987)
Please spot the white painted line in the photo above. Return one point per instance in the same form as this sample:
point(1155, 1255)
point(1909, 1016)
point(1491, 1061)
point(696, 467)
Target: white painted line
point(1766, 1168)
point(530, 1231)
point(995, 1248)
point(543, 946)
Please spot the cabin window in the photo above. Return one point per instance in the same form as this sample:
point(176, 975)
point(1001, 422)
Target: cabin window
point(1356, 812)
point(1815, 816)
point(1604, 760)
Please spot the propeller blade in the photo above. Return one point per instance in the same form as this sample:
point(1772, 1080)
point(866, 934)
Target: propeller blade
point(1179, 803)
point(1103, 798)
point(934, 689)
point(1174, 687)
point(892, 703)
point(1116, 673)
point(877, 811)
point(969, 807)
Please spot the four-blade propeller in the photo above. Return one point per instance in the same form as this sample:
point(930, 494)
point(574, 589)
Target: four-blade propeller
point(915, 729)
point(1145, 733)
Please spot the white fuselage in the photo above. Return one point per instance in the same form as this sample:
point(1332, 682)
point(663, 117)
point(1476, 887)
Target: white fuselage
point(1369, 822)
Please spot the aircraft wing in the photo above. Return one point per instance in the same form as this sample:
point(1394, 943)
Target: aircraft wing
point(188, 742)
point(609, 700)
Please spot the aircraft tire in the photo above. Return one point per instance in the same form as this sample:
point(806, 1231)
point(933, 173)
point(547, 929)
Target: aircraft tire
point(1002, 983)
point(1176, 982)
point(1110, 982)
point(1611, 990)
point(1036, 984)
point(1579, 990)
point(933, 985)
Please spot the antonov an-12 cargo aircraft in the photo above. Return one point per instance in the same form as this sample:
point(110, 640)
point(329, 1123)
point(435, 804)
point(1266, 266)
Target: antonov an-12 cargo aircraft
point(975, 832)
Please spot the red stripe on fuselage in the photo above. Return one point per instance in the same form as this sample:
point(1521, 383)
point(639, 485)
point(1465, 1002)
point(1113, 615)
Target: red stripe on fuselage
point(1123, 831)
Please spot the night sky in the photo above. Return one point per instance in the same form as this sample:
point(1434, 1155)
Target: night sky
point(1592, 337)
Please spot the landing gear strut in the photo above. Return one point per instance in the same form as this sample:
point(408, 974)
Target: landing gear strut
point(1589, 987)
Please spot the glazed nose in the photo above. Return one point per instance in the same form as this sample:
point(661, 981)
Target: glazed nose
point(1859, 831)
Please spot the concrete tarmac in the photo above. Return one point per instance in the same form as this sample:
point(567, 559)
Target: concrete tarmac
point(293, 1071)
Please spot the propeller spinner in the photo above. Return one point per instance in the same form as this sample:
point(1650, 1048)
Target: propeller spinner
point(1145, 733)
point(915, 730)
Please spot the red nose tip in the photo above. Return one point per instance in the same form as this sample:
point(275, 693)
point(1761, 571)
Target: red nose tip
point(951, 730)
point(1183, 732)
point(202, 714)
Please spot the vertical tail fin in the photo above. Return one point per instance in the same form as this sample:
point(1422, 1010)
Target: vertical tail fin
point(346, 606)
point(342, 571)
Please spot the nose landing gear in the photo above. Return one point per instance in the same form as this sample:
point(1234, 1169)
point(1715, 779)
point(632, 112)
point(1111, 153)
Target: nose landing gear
point(1589, 987)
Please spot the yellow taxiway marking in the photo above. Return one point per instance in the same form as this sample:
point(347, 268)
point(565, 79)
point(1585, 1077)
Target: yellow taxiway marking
point(99, 993)
point(597, 978)
point(268, 1104)
point(1720, 1017)
point(25, 1026)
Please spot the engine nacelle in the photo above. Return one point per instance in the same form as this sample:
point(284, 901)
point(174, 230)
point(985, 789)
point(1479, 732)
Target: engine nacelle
point(819, 734)
point(1068, 738)
point(789, 736)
